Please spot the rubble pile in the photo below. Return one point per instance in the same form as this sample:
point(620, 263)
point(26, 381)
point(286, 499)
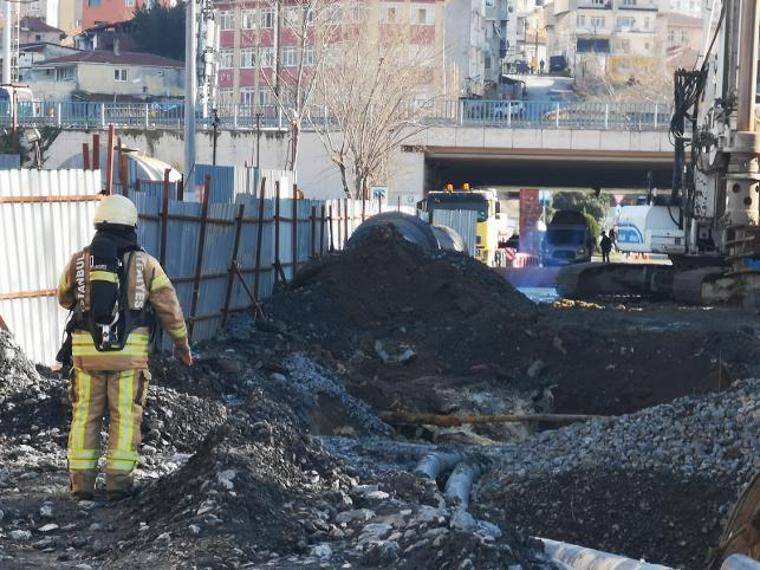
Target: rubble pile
point(230, 475)
point(657, 484)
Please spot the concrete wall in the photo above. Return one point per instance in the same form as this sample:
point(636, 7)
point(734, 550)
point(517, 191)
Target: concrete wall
point(319, 177)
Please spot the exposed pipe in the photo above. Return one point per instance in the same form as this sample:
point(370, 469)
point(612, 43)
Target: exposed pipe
point(581, 558)
point(740, 562)
point(436, 462)
point(460, 482)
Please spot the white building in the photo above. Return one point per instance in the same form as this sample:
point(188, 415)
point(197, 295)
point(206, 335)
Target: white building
point(466, 46)
point(605, 31)
point(693, 8)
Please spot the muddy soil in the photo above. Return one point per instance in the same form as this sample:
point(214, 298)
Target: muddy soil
point(440, 333)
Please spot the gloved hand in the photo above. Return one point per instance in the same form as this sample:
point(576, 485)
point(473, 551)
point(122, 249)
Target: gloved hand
point(184, 355)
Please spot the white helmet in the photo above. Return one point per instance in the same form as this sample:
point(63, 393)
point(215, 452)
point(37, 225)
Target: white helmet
point(116, 209)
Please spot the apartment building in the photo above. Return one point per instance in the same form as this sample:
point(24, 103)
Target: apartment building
point(605, 31)
point(693, 8)
point(530, 32)
point(256, 40)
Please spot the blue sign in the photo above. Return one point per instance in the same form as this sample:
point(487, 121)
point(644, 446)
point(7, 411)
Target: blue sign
point(628, 233)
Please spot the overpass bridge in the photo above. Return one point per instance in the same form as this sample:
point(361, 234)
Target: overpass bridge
point(534, 143)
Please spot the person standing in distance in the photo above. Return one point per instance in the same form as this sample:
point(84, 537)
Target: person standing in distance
point(115, 291)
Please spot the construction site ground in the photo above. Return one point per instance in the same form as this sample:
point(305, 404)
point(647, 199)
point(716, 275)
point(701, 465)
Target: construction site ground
point(271, 451)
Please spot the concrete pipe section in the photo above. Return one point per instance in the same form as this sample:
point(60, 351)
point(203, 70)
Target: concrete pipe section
point(581, 558)
point(740, 562)
point(412, 229)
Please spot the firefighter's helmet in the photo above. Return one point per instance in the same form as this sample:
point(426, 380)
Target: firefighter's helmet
point(116, 209)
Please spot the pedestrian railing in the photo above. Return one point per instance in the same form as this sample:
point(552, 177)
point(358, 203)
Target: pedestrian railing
point(581, 115)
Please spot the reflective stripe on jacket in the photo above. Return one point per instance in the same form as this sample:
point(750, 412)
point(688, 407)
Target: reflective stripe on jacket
point(147, 283)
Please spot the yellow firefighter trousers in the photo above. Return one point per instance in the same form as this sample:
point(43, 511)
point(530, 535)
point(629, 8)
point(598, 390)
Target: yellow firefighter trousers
point(124, 393)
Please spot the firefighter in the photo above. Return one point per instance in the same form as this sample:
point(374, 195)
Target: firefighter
point(115, 292)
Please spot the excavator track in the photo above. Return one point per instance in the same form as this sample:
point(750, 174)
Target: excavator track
point(742, 532)
point(591, 280)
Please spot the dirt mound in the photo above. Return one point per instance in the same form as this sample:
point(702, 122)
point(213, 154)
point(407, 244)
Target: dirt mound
point(389, 282)
point(395, 318)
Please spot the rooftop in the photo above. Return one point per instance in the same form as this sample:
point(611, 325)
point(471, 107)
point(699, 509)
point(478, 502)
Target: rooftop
point(122, 58)
point(30, 24)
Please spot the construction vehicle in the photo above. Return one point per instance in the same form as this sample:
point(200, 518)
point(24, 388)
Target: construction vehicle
point(709, 225)
point(483, 201)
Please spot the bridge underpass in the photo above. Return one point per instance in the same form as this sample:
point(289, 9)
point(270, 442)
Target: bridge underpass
point(546, 170)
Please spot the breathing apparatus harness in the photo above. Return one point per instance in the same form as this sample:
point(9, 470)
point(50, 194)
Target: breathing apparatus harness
point(110, 318)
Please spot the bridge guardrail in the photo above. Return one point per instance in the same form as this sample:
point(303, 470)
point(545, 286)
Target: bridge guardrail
point(580, 115)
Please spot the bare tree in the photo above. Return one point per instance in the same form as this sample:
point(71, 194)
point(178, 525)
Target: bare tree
point(641, 79)
point(376, 89)
point(288, 68)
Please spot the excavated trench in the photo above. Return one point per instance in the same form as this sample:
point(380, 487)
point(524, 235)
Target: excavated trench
point(271, 451)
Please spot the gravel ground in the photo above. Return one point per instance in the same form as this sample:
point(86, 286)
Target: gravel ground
point(656, 484)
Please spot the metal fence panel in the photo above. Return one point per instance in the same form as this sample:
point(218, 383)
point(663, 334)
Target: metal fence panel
point(222, 181)
point(464, 222)
point(38, 239)
point(10, 161)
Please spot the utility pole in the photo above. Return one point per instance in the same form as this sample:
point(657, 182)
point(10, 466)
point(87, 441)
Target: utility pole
point(191, 85)
point(7, 27)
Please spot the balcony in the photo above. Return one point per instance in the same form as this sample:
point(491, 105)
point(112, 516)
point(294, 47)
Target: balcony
point(638, 5)
point(595, 4)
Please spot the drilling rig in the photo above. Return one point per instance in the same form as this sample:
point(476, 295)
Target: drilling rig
point(713, 210)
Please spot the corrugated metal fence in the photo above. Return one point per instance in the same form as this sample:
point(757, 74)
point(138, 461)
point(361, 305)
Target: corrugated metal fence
point(464, 222)
point(8, 161)
point(45, 216)
point(220, 255)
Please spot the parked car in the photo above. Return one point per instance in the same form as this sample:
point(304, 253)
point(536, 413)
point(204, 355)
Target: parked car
point(481, 110)
point(557, 63)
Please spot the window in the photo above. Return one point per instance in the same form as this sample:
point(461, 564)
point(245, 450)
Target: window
point(625, 23)
point(422, 16)
point(248, 20)
point(624, 46)
point(598, 22)
point(358, 12)
point(227, 20)
point(225, 96)
point(93, 3)
point(289, 56)
point(684, 37)
point(629, 2)
point(64, 74)
point(247, 58)
point(672, 37)
point(308, 56)
point(129, 3)
point(581, 21)
point(267, 57)
point(487, 63)
point(37, 37)
point(119, 74)
point(646, 22)
point(292, 17)
point(247, 96)
point(267, 18)
point(226, 60)
point(265, 97)
point(389, 14)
